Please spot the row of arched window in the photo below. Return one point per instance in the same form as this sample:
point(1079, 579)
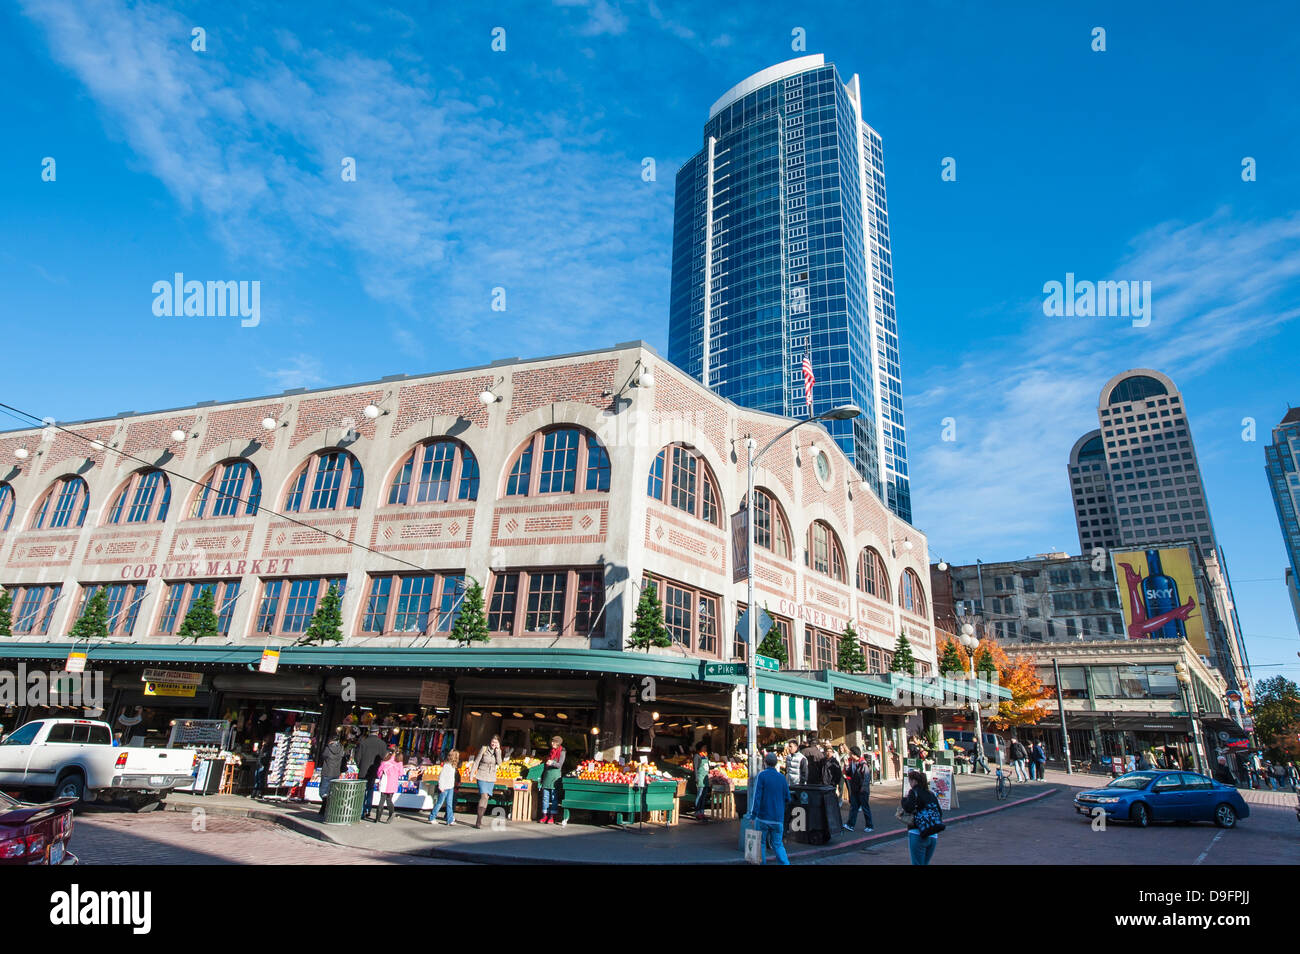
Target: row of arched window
point(561, 460)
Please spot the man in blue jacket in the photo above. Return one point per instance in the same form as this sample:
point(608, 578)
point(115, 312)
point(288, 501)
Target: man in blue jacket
point(767, 799)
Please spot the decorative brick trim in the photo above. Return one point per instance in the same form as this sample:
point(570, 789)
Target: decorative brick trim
point(438, 528)
point(285, 539)
point(509, 523)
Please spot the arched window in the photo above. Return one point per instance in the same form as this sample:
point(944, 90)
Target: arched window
point(144, 499)
point(64, 504)
point(910, 595)
point(871, 574)
point(771, 529)
point(436, 471)
point(564, 460)
point(330, 480)
point(824, 553)
point(681, 478)
point(231, 489)
point(6, 505)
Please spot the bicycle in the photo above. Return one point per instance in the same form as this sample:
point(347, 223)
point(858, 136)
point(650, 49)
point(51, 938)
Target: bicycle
point(1003, 785)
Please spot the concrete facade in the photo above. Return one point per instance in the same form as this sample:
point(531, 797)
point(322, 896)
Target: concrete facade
point(1048, 597)
point(621, 533)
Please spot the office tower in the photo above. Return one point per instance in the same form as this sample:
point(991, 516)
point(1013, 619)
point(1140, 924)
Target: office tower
point(1140, 467)
point(1281, 458)
point(781, 251)
point(1094, 514)
point(1141, 470)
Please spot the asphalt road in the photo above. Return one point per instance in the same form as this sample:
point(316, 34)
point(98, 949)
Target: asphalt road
point(1048, 832)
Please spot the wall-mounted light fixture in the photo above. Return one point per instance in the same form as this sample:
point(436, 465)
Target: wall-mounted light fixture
point(488, 396)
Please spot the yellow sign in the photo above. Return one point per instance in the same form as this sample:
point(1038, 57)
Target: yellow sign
point(169, 689)
point(270, 661)
point(76, 662)
point(1157, 592)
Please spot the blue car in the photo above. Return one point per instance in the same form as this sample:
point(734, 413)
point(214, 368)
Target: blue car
point(1146, 797)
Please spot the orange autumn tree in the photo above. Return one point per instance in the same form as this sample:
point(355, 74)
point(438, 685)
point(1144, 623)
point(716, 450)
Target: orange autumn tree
point(1017, 674)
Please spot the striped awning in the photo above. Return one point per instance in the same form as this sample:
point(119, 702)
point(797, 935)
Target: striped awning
point(776, 710)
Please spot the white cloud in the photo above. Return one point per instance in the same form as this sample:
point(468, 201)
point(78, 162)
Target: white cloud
point(456, 192)
point(1020, 401)
point(301, 371)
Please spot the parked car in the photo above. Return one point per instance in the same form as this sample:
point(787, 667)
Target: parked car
point(995, 746)
point(76, 759)
point(1151, 796)
point(36, 834)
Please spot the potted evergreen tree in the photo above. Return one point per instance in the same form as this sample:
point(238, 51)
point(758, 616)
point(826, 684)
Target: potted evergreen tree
point(471, 624)
point(904, 661)
point(93, 623)
point(850, 652)
point(327, 622)
point(201, 621)
point(648, 628)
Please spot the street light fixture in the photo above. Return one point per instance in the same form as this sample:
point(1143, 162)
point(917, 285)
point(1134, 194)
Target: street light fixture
point(845, 412)
point(971, 643)
point(1185, 683)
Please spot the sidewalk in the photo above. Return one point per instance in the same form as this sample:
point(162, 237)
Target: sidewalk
point(581, 842)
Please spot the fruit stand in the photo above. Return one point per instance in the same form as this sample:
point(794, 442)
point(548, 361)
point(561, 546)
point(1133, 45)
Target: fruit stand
point(727, 780)
point(611, 787)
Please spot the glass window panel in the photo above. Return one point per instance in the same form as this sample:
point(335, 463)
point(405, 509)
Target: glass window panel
point(559, 462)
point(435, 472)
point(377, 605)
point(589, 618)
point(521, 474)
point(501, 609)
point(598, 468)
point(468, 475)
point(545, 602)
point(413, 603)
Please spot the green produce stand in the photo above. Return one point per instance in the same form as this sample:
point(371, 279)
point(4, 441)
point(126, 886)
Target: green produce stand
point(621, 800)
point(345, 802)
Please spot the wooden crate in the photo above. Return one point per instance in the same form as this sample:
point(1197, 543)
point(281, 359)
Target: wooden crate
point(724, 805)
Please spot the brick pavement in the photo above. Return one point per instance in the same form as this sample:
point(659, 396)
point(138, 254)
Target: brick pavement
point(169, 838)
point(581, 842)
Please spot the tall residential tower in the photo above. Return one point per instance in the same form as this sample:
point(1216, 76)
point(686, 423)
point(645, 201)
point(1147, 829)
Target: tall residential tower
point(781, 252)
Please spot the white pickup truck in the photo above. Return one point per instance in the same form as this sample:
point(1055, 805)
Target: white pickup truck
point(73, 757)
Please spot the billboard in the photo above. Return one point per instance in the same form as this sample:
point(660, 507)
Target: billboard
point(1157, 594)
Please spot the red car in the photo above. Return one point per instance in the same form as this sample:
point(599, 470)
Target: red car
point(36, 834)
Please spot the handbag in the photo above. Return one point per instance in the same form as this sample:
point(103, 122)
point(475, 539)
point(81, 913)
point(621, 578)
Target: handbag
point(929, 820)
point(902, 816)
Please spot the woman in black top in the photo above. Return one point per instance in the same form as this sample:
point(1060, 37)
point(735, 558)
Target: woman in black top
point(924, 808)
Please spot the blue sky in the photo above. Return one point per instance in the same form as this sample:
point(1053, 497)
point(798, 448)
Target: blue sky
point(522, 169)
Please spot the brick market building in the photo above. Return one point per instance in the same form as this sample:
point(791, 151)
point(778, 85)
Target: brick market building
point(563, 485)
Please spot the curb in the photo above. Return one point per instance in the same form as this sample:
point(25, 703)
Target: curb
point(468, 855)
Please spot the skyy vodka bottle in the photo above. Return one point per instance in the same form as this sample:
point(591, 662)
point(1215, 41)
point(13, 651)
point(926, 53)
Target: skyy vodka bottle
point(1160, 593)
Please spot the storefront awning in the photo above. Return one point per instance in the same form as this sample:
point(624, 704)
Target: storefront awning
point(777, 710)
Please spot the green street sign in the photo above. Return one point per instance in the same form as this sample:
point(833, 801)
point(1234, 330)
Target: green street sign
point(766, 662)
point(724, 669)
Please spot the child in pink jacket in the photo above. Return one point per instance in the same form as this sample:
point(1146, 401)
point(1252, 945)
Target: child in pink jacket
point(391, 771)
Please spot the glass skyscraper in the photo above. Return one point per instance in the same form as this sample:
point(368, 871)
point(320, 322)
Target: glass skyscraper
point(781, 251)
point(1282, 463)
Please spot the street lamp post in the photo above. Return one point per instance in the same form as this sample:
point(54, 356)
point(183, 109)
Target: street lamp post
point(1184, 683)
point(971, 643)
point(842, 413)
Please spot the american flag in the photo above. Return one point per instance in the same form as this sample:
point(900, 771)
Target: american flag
point(808, 381)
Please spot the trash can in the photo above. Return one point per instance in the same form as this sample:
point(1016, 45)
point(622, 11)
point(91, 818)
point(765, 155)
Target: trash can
point(345, 801)
point(819, 807)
